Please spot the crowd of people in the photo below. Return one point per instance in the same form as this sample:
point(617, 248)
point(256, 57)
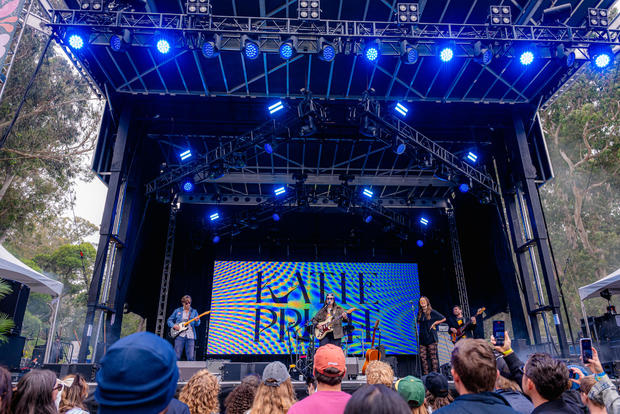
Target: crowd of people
point(139, 375)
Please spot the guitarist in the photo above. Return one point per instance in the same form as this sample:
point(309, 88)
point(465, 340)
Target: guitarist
point(331, 309)
point(187, 338)
point(457, 320)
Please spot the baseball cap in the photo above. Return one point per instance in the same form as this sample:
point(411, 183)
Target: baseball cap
point(411, 389)
point(436, 384)
point(330, 356)
point(275, 374)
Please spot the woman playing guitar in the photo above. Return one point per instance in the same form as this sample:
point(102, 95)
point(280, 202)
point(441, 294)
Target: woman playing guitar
point(331, 309)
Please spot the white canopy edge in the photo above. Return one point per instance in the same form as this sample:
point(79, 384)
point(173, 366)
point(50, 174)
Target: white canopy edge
point(611, 282)
point(11, 268)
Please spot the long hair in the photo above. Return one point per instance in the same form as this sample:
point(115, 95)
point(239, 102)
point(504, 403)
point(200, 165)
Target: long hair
point(201, 393)
point(241, 397)
point(74, 395)
point(427, 313)
point(435, 403)
point(33, 394)
point(6, 390)
point(274, 400)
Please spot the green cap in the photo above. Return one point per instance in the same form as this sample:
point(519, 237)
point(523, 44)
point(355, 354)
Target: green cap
point(411, 389)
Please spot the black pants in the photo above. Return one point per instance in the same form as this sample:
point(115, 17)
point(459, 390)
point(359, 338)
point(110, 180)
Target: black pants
point(329, 339)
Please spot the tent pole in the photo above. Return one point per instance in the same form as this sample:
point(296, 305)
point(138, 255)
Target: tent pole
point(585, 319)
point(50, 335)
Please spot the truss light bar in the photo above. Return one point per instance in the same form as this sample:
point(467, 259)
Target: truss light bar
point(500, 16)
point(368, 193)
point(424, 221)
point(250, 48)
point(214, 216)
point(279, 191)
point(275, 108)
point(198, 7)
point(327, 51)
point(407, 13)
point(309, 10)
point(419, 243)
point(472, 157)
point(372, 51)
point(95, 5)
point(185, 155)
point(76, 41)
point(601, 56)
point(598, 18)
point(401, 109)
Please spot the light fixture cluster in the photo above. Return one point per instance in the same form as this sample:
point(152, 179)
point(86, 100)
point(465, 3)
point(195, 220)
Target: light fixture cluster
point(198, 7)
point(309, 10)
point(500, 16)
point(598, 18)
point(407, 13)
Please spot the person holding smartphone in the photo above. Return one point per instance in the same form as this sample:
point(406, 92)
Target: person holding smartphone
point(428, 319)
point(603, 390)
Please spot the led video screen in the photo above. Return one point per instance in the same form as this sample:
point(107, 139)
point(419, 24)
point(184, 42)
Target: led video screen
point(259, 307)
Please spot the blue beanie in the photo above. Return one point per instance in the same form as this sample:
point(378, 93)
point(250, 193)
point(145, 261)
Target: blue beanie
point(138, 375)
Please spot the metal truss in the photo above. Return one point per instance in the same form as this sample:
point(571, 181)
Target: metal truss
point(160, 325)
point(414, 139)
point(458, 264)
point(345, 29)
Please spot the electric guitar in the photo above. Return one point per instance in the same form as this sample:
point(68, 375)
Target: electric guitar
point(327, 326)
point(372, 354)
point(184, 326)
point(455, 336)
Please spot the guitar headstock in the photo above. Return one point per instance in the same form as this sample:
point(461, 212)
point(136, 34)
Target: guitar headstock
point(480, 311)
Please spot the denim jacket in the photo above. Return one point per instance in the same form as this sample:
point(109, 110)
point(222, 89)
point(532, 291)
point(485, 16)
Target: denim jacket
point(177, 318)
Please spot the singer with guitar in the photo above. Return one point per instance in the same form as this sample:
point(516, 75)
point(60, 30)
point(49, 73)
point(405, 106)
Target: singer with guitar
point(331, 309)
point(187, 338)
point(428, 319)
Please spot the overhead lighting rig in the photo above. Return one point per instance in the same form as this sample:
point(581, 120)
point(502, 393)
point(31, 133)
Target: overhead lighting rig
point(500, 16)
point(309, 10)
point(95, 5)
point(598, 19)
point(407, 13)
point(200, 7)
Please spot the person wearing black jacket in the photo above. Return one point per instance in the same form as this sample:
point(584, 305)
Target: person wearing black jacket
point(457, 320)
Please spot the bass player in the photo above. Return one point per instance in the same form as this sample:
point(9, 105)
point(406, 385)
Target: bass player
point(187, 338)
point(457, 321)
point(331, 309)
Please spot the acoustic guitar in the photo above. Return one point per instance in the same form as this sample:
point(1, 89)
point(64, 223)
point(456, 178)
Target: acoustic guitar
point(372, 354)
point(327, 326)
point(184, 326)
point(455, 336)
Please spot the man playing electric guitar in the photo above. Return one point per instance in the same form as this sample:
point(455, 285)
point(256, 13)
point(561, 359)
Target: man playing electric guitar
point(331, 309)
point(187, 338)
point(459, 327)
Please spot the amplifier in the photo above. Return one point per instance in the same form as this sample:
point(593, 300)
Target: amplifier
point(189, 368)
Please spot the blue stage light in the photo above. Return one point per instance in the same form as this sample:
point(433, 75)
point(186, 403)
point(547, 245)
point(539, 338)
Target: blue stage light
point(372, 52)
point(424, 221)
point(76, 41)
point(188, 186)
point(420, 243)
point(287, 50)
point(410, 55)
point(214, 216)
point(275, 217)
point(268, 148)
point(327, 51)
point(279, 191)
point(163, 46)
point(116, 43)
point(275, 107)
point(210, 49)
point(368, 193)
point(185, 155)
point(526, 57)
point(216, 239)
point(446, 54)
point(368, 219)
point(401, 109)
point(472, 157)
point(601, 55)
point(251, 49)
point(464, 187)
point(602, 60)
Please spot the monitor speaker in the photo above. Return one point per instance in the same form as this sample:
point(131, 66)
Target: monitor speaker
point(188, 368)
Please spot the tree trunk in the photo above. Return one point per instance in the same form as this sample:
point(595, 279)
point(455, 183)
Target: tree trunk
point(6, 184)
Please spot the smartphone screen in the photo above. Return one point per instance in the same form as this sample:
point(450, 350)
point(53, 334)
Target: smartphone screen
point(498, 332)
point(586, 349)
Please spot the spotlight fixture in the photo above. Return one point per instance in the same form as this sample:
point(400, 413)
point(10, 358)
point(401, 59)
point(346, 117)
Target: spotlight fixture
point(408, 53)
point(368, 193)
point(372, 51)
point(398, 146)
point(407, 13)
point(463, 187)
point(120, 42)
point(526, 55)
point(327, 51)
point(162, 43)
point(211, 48)
point(188, 185)
point(601, 55)
point(76, 41)
point(185, 155)
point(424, 221)
point(275, 108)
point(472, 157)
point(309, 10)
point(598, 19)
point(94, 5)
point(198, 7)
point(216, 239)
point(368, 219)
point(287, 49)
point(419, 243)
point(557, 14)
point(250, 47)
point(275, 217)
point(268, 148)
point(214, 216)
point(500, 16)
point(279, 191)
point(482, 54)
point(401, 109)
point(446, 53)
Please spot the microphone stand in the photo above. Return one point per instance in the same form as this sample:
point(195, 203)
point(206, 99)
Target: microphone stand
point(417, 338)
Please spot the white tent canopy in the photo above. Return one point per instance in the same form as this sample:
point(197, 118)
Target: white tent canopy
point(12, 268)
point(611, 282)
